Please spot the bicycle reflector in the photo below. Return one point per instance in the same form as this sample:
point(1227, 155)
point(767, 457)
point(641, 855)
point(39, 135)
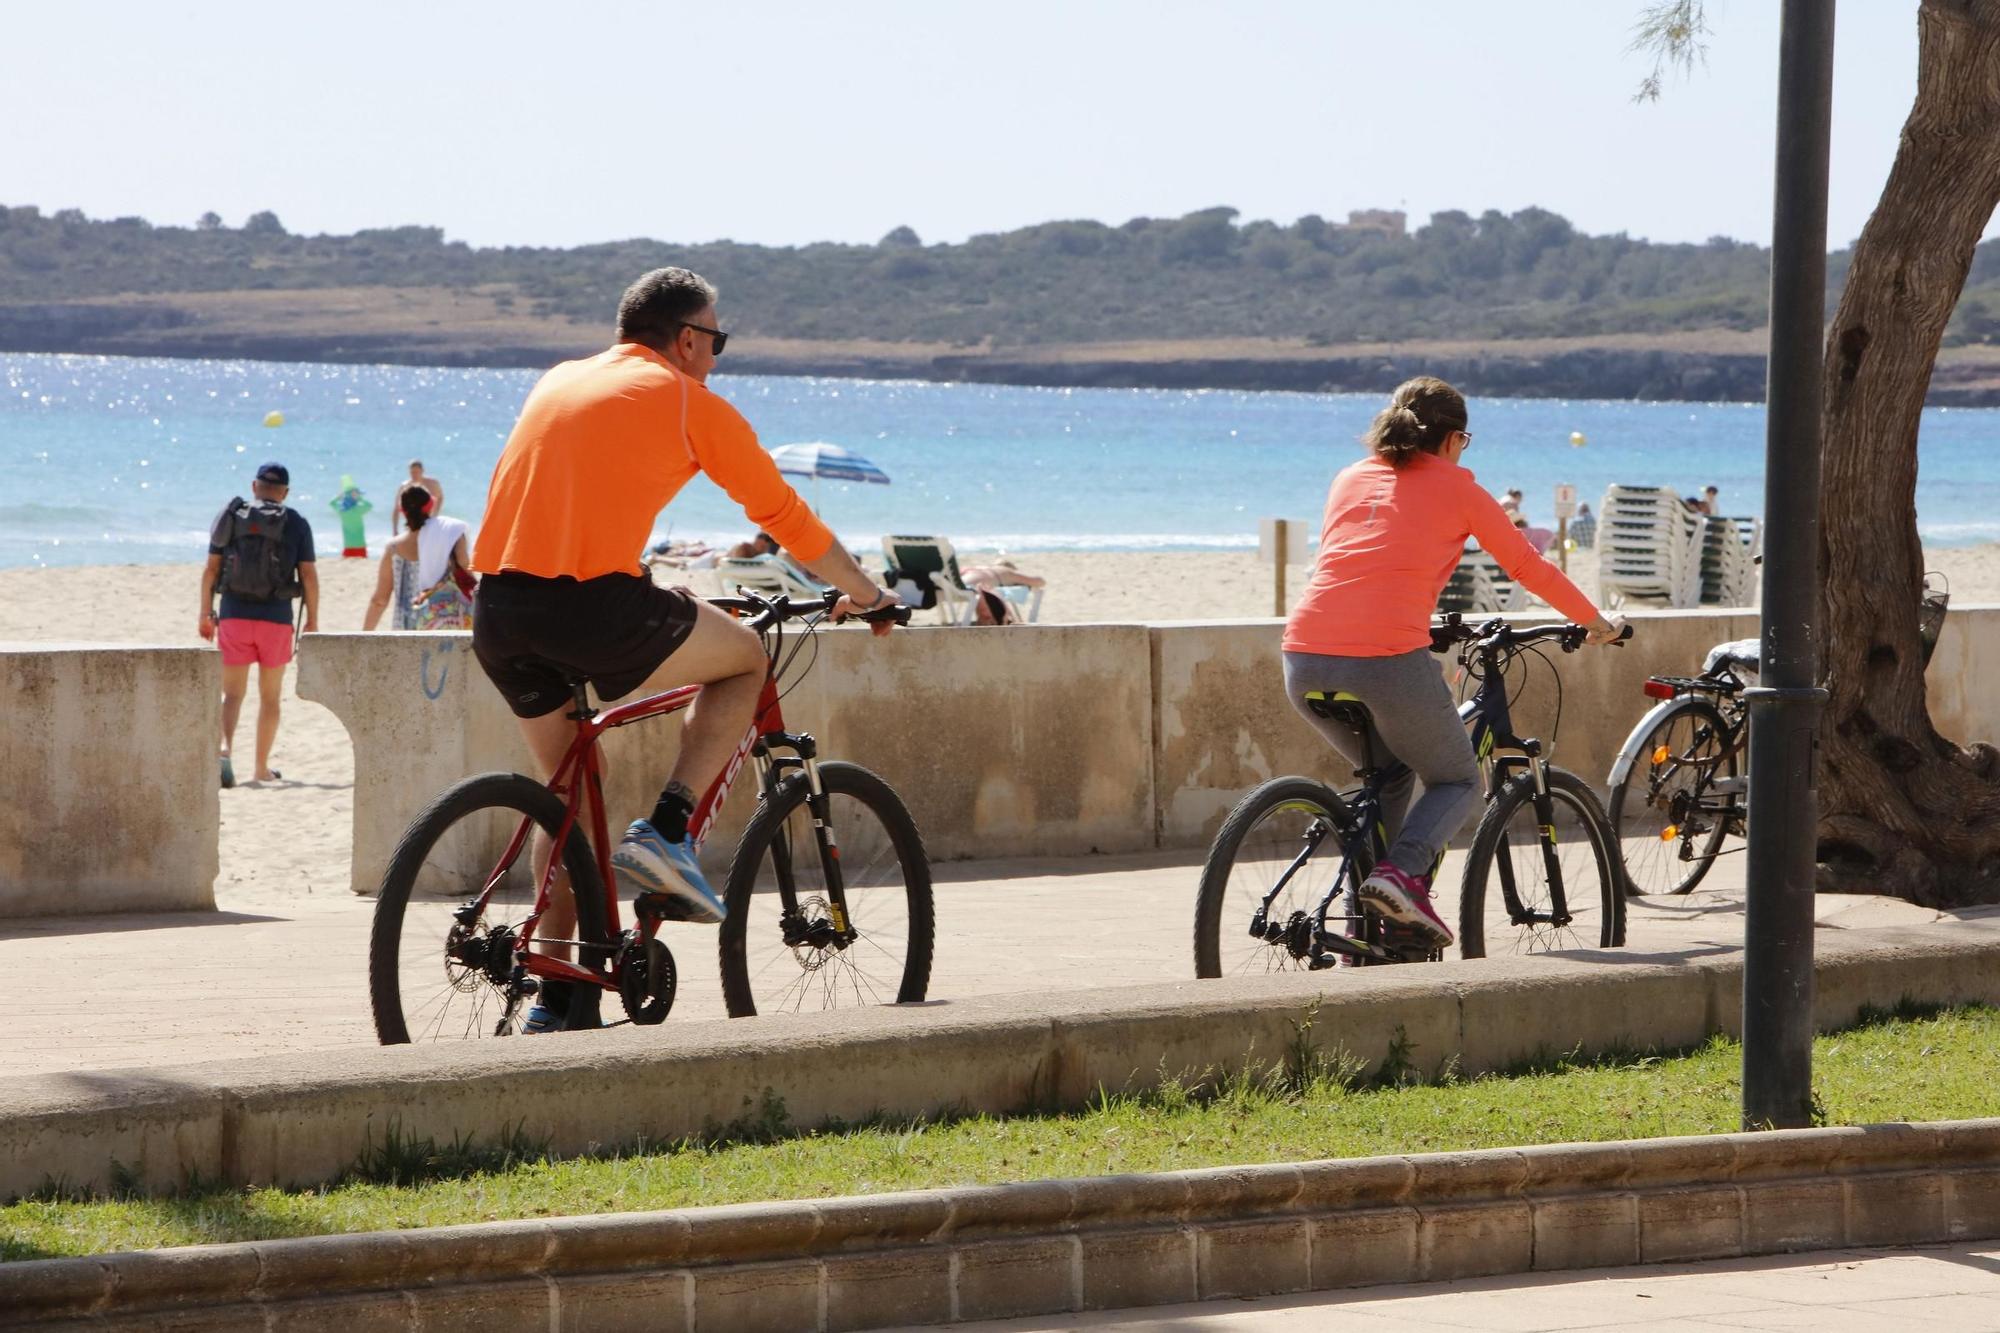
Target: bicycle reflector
point(1660, 756)
point(1659, 689)
point(1670, 832)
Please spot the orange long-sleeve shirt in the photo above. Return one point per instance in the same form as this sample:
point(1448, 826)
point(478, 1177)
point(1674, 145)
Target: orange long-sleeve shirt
point(601, 447)
point(1391, 539)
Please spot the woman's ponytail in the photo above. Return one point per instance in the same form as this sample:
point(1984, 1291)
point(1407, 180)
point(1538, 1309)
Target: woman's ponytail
point(1422, 414)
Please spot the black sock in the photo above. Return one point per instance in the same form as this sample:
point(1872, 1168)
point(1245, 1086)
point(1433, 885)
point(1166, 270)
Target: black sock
point(555, 996)
point(671, 814)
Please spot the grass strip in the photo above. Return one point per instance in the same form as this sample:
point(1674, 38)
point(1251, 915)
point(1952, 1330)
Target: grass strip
point(1917, 1065)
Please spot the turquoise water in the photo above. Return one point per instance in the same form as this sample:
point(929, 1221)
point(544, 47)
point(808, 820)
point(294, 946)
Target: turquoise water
point(125, 460)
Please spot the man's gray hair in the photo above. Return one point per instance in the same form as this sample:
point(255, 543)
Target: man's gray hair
point(654, 308)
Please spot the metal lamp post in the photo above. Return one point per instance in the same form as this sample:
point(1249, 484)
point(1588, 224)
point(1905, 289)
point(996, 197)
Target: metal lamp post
point(1785, 708)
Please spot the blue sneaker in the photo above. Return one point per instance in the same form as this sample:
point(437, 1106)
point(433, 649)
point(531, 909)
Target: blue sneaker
point(541, 1019)
point(647, 863)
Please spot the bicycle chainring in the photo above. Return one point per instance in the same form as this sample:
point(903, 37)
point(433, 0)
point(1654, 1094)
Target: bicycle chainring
point(647, 979)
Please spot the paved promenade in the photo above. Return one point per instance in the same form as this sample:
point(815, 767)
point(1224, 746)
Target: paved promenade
point(279, 970)
point(1948, 1289)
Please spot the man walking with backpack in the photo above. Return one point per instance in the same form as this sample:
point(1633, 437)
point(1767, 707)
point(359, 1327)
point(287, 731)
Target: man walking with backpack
point(260, 558)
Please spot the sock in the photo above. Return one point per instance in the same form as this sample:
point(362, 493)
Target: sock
point(555, 996)
point(671, 813)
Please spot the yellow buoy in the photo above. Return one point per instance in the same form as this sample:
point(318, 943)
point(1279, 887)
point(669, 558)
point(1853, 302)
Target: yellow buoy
point(274, 418)
point(1576, 439)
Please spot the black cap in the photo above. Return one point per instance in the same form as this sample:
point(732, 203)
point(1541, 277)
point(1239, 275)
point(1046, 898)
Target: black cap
point(275, 474)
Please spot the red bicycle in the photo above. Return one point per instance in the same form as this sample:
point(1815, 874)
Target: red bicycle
point(828, 895)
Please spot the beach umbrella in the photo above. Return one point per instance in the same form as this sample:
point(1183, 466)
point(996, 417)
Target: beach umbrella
point(817, 459)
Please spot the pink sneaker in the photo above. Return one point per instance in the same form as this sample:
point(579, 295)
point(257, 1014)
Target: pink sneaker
point(1401, 896)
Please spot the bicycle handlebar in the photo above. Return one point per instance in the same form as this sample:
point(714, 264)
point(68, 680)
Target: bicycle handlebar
point(1498, 636)
point(767, 611)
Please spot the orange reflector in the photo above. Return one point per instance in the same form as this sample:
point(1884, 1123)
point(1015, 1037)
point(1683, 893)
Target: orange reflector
point(1661, 755)
point(1670, 832)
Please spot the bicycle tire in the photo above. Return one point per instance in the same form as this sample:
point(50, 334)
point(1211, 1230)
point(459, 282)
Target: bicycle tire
point(860, 861)
point(460, 802)
point(1219, 868)
point(1569, 791)
point(1633, 807)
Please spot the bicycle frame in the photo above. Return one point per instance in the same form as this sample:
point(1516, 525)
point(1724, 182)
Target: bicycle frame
point(579, 781)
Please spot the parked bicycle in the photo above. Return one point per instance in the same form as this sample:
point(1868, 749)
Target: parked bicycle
point(1679, 788)
point(1281, 886)
point(828, 895)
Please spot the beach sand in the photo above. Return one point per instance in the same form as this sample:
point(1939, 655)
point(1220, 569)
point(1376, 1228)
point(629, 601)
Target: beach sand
point(284, 839)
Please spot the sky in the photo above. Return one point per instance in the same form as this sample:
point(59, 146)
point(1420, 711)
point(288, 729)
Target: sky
point(784, 123)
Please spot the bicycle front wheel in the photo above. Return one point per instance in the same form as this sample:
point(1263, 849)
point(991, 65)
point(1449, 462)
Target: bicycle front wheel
point(441, 957)
point(1280, 843)
point(1553, 886)
point(1665, 813)
point(788, 943)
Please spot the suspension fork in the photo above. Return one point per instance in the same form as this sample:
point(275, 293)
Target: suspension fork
point(1543, 805)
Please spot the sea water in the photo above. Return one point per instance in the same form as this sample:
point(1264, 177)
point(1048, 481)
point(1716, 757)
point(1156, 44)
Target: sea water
point(127, 460)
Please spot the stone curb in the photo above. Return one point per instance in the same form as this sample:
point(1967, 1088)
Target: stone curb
point(305, 1120)
point(1044, 1247)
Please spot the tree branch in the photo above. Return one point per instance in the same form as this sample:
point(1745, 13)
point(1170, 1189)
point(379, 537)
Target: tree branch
point(1672, 32)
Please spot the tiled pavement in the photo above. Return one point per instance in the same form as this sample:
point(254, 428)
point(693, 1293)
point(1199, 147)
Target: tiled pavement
point(1944, 1289)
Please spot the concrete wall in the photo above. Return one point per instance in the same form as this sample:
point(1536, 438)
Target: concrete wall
point(1005, 742)
point(107, 779)
point(1222, 723)
point(1001, 741)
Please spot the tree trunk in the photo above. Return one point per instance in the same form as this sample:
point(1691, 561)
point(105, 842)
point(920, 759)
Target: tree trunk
point(1903, 810)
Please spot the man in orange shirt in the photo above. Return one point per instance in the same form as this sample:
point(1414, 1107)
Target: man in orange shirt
point(601, 446)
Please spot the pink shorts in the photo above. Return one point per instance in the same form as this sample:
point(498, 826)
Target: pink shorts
point(264, 642)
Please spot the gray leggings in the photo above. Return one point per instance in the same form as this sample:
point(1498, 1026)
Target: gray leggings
point(1416, 723)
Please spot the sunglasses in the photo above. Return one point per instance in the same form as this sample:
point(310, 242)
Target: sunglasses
point(721, 338)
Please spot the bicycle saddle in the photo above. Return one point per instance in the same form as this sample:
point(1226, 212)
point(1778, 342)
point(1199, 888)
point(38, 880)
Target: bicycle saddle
point(1341, 707)
point(1738, 655)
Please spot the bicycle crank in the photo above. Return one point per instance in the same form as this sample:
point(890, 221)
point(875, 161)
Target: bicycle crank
point(647, 978)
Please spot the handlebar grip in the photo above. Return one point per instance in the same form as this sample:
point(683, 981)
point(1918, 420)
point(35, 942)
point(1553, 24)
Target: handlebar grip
point(1624, 633)
point(895, 615)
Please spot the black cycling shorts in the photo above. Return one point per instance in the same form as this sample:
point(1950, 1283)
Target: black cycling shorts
point(533, 635)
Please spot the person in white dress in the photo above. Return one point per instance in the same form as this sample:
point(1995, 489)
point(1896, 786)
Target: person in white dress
point(429, 554)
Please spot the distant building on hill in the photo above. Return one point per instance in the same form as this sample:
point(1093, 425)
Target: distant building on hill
point(1389, 222)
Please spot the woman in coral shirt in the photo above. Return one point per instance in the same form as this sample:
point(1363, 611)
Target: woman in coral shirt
point(1396, 523)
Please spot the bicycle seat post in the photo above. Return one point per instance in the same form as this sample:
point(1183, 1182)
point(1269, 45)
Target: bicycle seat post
point(580, 693)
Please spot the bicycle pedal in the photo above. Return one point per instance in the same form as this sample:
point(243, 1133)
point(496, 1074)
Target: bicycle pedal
point(662, 907)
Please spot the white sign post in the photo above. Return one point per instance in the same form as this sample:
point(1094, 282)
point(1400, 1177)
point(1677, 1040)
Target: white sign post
point(1565, 509)
point(1281, 541)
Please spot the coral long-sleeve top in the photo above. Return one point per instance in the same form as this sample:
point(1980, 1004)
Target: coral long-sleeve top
point(1391, 538)
point(601, 447)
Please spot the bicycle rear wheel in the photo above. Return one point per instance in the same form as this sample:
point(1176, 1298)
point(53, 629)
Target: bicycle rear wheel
point(433, 977)
point(1509, 853)
point(782, 944)
point(1665, 813)
point(1287, 830)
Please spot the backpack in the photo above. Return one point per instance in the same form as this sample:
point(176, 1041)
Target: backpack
point(256, 564)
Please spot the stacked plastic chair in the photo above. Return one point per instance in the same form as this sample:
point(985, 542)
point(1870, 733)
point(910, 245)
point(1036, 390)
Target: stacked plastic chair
point(1480, 587)
point(1649, 547)
point(1729, 552)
